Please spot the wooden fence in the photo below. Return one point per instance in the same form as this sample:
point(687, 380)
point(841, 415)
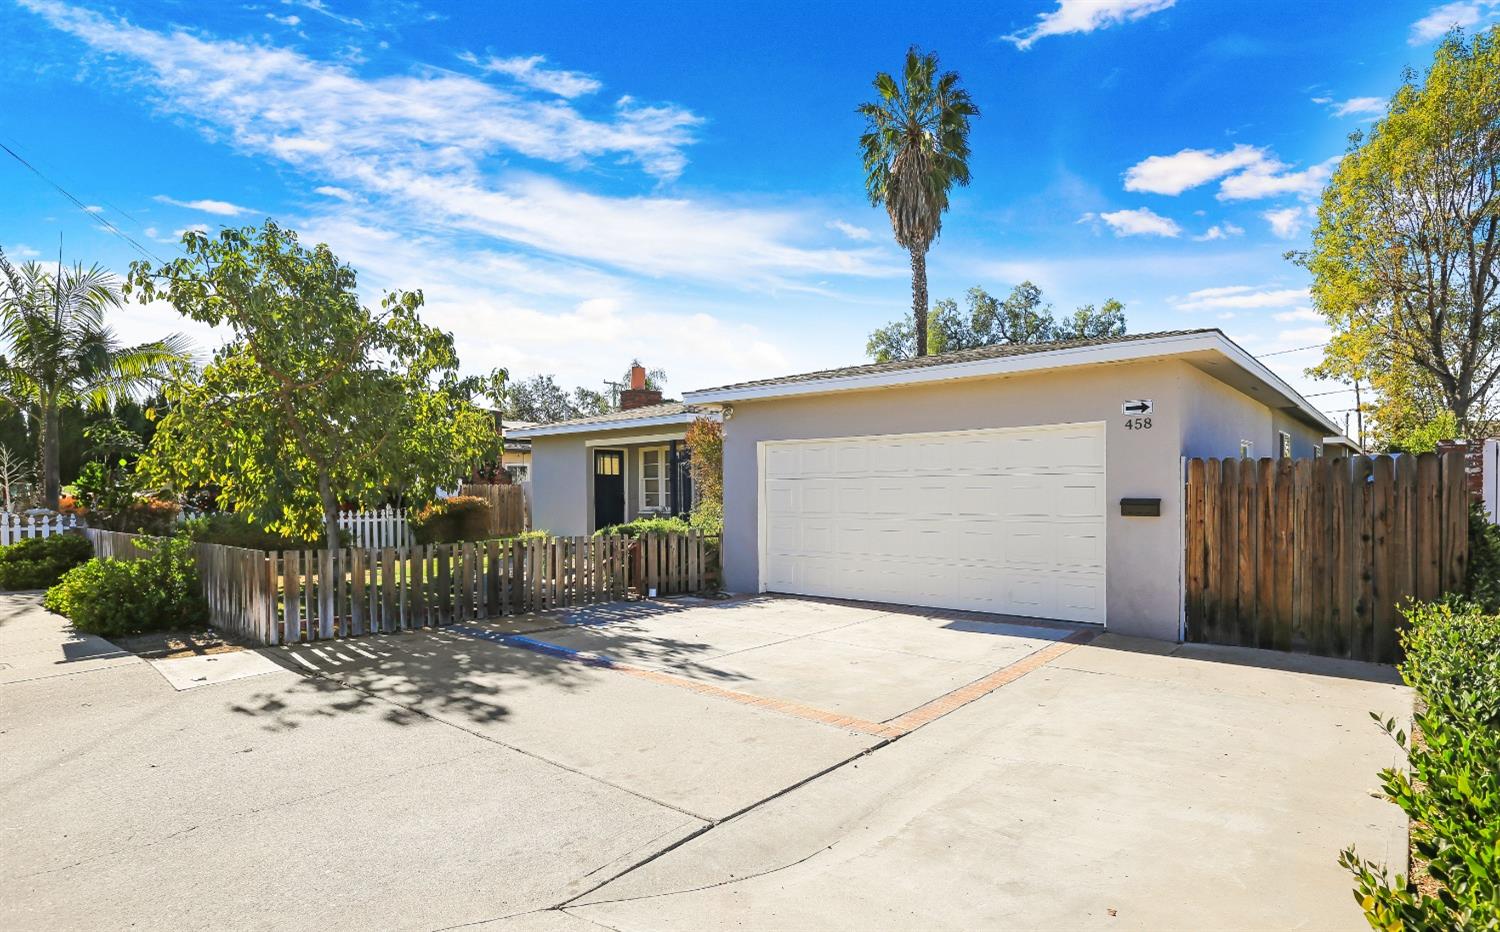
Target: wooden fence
point(1317, 555)
point(306, 595)
point(15, 527)
point(508, 512)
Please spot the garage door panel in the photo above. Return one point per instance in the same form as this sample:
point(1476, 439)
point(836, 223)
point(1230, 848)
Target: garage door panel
point(1003, 521)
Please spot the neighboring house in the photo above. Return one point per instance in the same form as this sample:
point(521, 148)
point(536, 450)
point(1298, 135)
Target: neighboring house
point(607, 469)
point(1041, 480)
point(516, 457)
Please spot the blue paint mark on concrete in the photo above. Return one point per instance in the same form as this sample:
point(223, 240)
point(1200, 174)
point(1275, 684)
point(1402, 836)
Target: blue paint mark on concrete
point(533, 644)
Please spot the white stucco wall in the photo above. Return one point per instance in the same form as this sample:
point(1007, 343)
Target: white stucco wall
point(562, 476)
point(1142, 554)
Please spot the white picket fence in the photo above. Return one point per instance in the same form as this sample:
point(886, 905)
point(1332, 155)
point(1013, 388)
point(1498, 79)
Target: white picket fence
point(378, 529)
point(14, 527)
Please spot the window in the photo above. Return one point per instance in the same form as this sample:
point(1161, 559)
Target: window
point(607, 465)
point(517, 472)
point(655, 479)
point(1318, 452)
point(1247, 449)
point(1284, 443)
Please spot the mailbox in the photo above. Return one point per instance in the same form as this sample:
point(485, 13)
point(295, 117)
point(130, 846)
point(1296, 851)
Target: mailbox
point(1140, 507)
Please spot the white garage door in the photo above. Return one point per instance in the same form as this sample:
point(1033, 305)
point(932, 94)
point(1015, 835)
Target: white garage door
point(1008, 521)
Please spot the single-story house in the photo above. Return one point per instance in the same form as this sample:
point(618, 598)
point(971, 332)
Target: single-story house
point(515, 459)
point(1042, 480)
point(593, 472)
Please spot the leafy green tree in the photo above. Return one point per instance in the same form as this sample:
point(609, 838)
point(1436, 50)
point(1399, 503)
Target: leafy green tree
point(916, 148)
point(58, 352)
point(1406, 254)
point(316, 399)
point(1021, 317)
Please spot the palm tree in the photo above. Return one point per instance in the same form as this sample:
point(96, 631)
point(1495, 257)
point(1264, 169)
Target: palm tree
point(916, 148)
point(56, 351)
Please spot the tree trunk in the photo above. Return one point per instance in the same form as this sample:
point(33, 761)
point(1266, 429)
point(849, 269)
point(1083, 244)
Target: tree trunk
point(51, 458)
point(330, 511)
point(919, 296)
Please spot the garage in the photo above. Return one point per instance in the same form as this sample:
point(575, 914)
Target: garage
point(1006, 520)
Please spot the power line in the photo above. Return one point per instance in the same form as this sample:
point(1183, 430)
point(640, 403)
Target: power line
point(94, 215)
point(1295, 349)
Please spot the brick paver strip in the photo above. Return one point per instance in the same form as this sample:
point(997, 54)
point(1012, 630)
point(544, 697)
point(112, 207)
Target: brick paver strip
point(894, 728)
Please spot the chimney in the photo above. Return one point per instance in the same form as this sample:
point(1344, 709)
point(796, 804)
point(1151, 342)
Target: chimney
point(638, 395)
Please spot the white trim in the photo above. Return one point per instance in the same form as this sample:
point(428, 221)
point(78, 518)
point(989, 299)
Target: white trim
point(662, 478)
point(586, 427)
point(1124, 351)
point(634, 439)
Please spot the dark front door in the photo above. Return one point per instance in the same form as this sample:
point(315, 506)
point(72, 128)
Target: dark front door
point(609, 488)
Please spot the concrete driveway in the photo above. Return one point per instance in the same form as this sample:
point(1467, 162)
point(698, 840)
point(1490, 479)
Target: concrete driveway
point(763, 763)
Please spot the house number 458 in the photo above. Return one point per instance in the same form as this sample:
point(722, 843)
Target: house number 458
point(1137, 423)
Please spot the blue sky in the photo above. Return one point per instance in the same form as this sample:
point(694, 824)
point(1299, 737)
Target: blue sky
point(574, 184)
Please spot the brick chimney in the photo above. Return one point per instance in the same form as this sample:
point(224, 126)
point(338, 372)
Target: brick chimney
point(638, 395)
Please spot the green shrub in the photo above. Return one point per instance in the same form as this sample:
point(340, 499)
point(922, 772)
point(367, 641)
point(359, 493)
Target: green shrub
point(708, 517)
point(462, 517)
point(113, 598)
point(233, 530)
point(38, 562)
point(1451, 792)
point(1484, 561)
point(646, 526)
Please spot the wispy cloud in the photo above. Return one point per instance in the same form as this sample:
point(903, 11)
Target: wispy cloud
point(323, 9)
point(1240, 297)
point(1464, 13)
point(1141, 221)
point(1299, 314)
point(1219, 231)
point(422, 148)
point(1286, 222)
point(530, 71)
point(207, 206)
point(1355, 106)
point(1082, 16)
point(856, 233)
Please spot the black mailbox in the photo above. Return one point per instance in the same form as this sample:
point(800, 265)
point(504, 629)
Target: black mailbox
point(1140, 507)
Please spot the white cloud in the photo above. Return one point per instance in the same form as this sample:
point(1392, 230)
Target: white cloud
point(1220, 231)
point(1083, 16)
point(528, 70)
point(1464, 13)
point(21, 251)
point(318, 6)
point(218, 208)
point(1301, 313)
point(290, 19)
point(1189, 168)
point(1286, 222)
point(1271, 178)
point(193, 227)
point(1241, 297)
point(422, 148)
point(1358, 106)
point(328, 190)
point(1248, 172)
point(1141, 221)
point(859, 234)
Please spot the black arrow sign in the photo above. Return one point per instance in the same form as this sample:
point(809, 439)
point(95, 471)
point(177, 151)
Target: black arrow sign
point(1138, 407)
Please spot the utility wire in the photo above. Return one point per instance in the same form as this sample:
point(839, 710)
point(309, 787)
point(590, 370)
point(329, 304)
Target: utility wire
point(94, 215)
point(1295, 349)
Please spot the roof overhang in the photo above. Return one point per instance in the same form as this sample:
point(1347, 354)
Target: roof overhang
point(594, 427)
point(1210, 351)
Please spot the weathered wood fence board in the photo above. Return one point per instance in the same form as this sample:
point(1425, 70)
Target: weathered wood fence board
point(1318, 555)
point(508, 513)
point(307, 595)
